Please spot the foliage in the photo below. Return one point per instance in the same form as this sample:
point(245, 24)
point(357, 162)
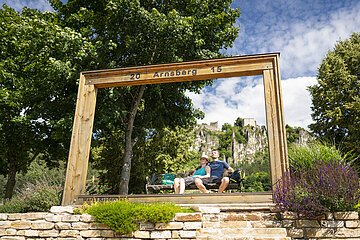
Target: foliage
point(257, 173)
point(227, 135)
point(39, 65)
point(304, 157)
point(124, 217)
point(258, 182)
point(38, 197)
point(324, 186)
point(135, 33)
point(336, 96)
point(159, 152)
point(293, 134)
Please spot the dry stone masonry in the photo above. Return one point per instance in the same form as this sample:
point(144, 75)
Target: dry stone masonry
point(209, 223)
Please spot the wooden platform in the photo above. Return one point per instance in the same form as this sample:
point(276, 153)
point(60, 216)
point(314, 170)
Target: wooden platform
point(259, 199)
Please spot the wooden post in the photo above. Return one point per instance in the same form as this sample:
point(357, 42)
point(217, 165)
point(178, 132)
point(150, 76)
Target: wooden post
point(80, 142)
point(275, 122)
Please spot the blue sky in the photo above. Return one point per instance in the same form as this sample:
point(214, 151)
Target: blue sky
point(301, 30)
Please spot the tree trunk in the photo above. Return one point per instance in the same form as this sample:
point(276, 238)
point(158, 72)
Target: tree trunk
point(11, 180)
point(129, 143)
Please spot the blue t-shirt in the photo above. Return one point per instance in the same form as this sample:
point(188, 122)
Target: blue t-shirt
point(217, 168)
point(200, 172)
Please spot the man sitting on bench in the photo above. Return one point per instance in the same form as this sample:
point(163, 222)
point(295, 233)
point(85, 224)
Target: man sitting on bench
point(216, 174)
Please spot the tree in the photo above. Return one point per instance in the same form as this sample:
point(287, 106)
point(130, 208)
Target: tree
point(38, 70)
point(336, 96)
point(143, 32)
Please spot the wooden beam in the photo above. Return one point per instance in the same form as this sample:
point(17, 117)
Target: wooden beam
point(200, 198)
point(180, 72)
point(275, 123)
point(80, 143)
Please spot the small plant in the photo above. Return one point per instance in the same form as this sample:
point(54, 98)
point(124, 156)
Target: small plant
point(124, 217)
point(325, 186)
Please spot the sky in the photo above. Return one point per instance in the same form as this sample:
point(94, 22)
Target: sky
point(302, 31)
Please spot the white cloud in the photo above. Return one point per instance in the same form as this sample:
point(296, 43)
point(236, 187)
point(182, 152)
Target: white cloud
point(297, 101)
point(302, 31)
point(225, 104)
point(308, 42)
point(42, 5)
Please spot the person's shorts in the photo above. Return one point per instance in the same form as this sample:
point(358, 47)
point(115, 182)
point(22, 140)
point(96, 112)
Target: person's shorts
point(212, 179)
point(189, 181)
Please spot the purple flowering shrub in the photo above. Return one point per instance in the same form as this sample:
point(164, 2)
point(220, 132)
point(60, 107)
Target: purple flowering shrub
point(324, 186)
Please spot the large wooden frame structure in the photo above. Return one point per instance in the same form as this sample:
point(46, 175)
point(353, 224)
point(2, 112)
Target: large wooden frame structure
point(266, 65)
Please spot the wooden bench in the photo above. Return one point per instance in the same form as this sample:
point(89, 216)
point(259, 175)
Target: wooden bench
point(152, 187)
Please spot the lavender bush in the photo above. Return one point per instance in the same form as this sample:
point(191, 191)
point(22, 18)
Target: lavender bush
point(324, 186)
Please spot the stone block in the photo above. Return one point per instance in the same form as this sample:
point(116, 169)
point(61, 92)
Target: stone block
point(90, 233)
point(141, 234)
point(295, 233)
point(33, 216)
point(107, 233)
point(62, 209)
point(329, 216)
point(69, 233)
point(160, 234)
point(269, 216)
point(3, 216)
point(31, 233)
point(332, 223)
point(352, 224)
point(288, 223)
point(147, 226)
point(170, 225)
point(70, 218)
point(253, 217)
point(319, 232)
point(188, 217)
point(80, 225)
point(98, 226)
point(19, 224)
point(265, 224)
point(289, 215)
point(235, 224)
point(346, 216)
point(14, 216)
point(5, 224)
point(184, 234)
point(347, 233)
point(192, 225)
point(211, 225)
point(62, 226)
point(53, 218)
point(304, 223)
point(210, 217)
point(41, 224)
point(87, 218)
point(6, 232)
point(12, 238)
point(232, 216)
point(49, 233)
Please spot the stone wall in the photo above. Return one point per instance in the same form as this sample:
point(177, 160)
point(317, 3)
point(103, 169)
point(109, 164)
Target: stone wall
point(339, 225)
point(208, 223)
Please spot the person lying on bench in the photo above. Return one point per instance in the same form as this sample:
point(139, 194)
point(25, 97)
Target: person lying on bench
point(216, 175)
point(201, 172)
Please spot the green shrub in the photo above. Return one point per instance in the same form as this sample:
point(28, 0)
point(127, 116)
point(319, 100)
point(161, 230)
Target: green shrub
point(303, 157)
point(39, 197)
point(124, 217)
point(320, 179)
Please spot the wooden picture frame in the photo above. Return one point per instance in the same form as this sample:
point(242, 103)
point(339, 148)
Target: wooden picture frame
point(266, 65)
